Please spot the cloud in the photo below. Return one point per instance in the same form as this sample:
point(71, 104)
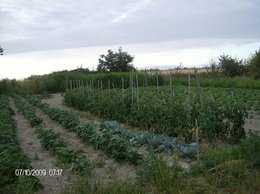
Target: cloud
point(137, 6)
point(35, 25)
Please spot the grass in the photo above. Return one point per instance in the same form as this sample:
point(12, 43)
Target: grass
point(87, 185)
point(234, 169)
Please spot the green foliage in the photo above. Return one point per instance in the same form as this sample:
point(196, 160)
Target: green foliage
point(254, 64)
point(233, 169)
point(11, 156)
point(115, 61)
point(250, 150)
point(231, 66)
point(51, 140)
point(174, 115)
point(117, 146)
point(167, 179)
point(113, 187)
point(27, 111)
point(56, 145)
point(56, 82)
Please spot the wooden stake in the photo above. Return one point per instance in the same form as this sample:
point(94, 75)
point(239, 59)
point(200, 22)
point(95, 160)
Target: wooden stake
point(108, 85)
point(197, 140)
point(157, 80)
point(137, 92)
point(132, 87)
point(171, 90)
point(122, 91)
point(189, 89)
point(101, 90)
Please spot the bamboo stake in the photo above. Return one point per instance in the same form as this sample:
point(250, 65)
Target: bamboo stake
point(157, 80)
point(145, 81)
point(122, 91)
point(197, 140)
point(113, 87)
point(66, 84)
point(71, 84)
point(101, 90)
point(171, 90)
point(137, 92)
point(108, 85)
point(132, 87)
point(189, 90)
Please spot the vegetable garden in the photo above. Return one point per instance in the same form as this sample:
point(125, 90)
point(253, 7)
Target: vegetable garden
point(169, 118)
point(175, 111)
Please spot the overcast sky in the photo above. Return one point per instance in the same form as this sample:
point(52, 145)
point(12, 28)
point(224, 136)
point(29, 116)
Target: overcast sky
point(40, 36)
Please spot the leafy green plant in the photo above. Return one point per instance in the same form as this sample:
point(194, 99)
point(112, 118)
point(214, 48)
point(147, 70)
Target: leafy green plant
point(11, 156)
point(24, 107)
point(156, 172)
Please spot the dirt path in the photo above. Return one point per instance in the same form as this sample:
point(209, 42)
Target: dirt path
point(56, 101)
point(105, 168)
point(40, 158)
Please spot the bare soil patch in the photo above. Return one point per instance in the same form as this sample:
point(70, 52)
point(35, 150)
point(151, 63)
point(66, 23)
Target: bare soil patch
point(56, 101)
point(252, 124)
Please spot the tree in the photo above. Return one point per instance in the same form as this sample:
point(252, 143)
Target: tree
point(1, 51)
point(231, 66)
point(115, 61)
point(213, 67)
point(254, 64)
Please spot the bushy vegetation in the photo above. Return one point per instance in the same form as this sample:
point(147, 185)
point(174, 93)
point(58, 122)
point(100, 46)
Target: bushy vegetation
point(11, 156)
point(172, 111)
point(115, 61)
point(233, 170)
point(53, 142)
point(254, 64)
point(59, 81)
point(231, 66)
point(218, 82)
point(118, 147)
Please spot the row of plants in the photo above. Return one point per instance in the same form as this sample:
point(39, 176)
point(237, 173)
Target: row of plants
point(118, 147)
point(217, 82)
point(60, 81)
point(229, 170)
point(53, 142)
point(171, 111)
point(65, 156)
point(158, 142)
point(27, 111)
point(12, 157)
point(112, 130)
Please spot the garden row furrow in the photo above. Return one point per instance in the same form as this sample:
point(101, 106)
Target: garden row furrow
point(116, 146)
point(54, 143)
point(12, 158)
point(119, 135)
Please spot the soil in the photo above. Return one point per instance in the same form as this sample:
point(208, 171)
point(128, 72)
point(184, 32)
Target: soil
point(56, 101)
point(108, 168)
point(252, 124)
point(40, 158)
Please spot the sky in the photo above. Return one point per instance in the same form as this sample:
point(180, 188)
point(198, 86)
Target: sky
point(51, 35)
